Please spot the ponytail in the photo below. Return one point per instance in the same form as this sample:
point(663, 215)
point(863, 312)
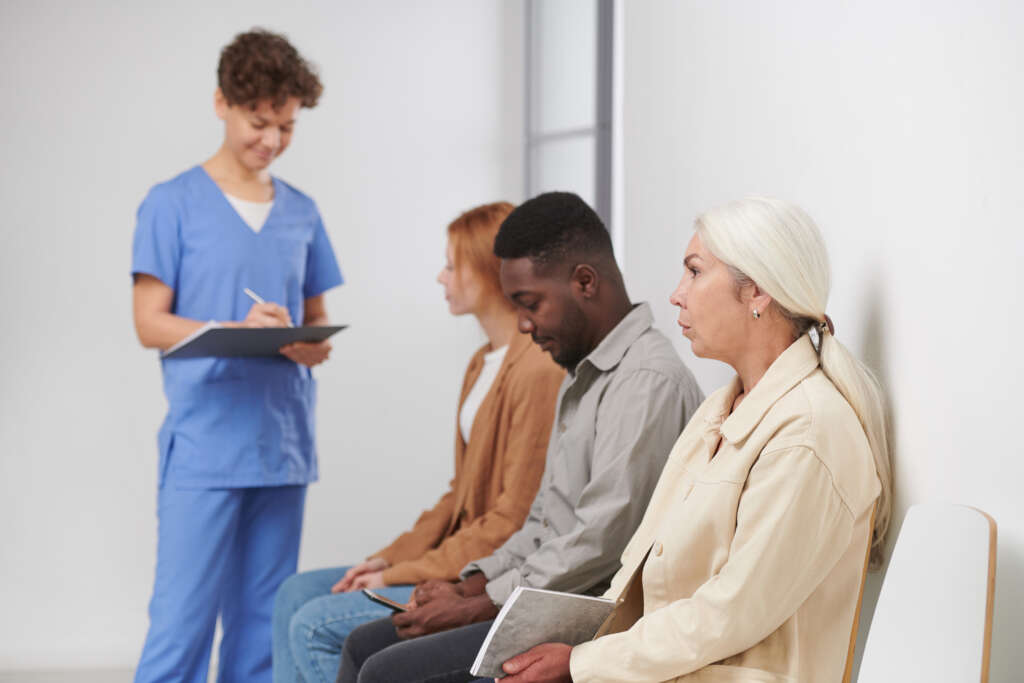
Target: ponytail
point(862, 391)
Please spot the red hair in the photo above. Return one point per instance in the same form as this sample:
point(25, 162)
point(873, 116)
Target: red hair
point(472, 238)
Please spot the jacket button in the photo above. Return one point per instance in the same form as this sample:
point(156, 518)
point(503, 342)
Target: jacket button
point(657, 549)
point(561, 428)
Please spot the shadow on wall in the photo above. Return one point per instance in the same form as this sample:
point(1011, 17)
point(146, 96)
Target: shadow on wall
point(1010, 560)
point(872, 344)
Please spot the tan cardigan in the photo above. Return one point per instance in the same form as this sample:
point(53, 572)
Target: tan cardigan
point(748, 563)
point(496, 474)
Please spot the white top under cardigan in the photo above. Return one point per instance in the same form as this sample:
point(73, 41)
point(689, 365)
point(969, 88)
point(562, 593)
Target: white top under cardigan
point(492, 363)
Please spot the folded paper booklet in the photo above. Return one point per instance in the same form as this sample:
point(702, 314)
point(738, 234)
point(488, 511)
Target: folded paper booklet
point(213, 340)
point(532, 616)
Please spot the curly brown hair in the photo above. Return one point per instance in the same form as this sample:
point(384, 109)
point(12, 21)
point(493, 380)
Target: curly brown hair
point(261, 65)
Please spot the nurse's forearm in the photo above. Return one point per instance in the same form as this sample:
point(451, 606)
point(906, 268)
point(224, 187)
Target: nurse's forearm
point(160, 330)
point(155, 325)
point(315, 320)
point(314, 311)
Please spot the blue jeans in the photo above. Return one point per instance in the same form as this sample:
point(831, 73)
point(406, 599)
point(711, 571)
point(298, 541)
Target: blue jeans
point(311, 624)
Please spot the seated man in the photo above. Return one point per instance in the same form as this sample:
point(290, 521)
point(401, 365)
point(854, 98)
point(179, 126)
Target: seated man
point(625, 400)
point(506, 409)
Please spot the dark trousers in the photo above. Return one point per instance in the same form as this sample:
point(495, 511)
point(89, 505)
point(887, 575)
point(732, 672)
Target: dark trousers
point(374, 653)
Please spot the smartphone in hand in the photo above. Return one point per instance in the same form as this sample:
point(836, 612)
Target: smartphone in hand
point(381, 600)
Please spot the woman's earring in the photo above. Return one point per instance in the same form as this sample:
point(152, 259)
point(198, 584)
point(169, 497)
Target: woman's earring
point(756, 314)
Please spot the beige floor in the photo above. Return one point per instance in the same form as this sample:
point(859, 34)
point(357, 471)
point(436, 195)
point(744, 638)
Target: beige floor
point(92, 676)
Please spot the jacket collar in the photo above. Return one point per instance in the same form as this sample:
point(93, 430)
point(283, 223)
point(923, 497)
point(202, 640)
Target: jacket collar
point(789, 369)
point(613, 347)
point(517, 347)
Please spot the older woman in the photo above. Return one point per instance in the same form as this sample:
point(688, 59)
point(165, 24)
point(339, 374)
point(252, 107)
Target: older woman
point(749, 560)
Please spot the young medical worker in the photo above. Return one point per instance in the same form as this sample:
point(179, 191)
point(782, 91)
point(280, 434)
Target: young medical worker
point(236, 448)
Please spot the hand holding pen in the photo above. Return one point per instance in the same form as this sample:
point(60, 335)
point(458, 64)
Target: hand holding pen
point(263, 314)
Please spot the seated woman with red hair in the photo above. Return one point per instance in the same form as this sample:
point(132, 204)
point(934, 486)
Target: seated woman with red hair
point(505, 413)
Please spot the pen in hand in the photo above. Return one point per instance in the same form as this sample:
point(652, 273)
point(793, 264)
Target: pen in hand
point(258, 299)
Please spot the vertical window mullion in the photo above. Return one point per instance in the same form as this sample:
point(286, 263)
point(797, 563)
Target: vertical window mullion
point(538, 141)
point(603, 111)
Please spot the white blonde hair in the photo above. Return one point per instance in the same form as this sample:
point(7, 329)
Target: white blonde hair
point(776, 245)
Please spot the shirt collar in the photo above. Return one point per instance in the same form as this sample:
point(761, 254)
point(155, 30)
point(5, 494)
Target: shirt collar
point(613, 347)
point(789, 369)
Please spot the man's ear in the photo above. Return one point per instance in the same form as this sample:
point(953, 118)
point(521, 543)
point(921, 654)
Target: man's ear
point(584, 281)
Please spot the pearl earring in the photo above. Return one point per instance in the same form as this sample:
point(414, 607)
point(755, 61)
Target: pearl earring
point(756, 314)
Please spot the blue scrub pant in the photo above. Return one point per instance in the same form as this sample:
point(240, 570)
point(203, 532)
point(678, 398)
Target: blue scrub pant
point(311, 624)
point(220, 551)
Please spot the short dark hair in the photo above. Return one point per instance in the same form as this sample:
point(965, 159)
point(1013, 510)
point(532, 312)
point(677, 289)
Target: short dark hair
point(553, 228)
point(261, 65)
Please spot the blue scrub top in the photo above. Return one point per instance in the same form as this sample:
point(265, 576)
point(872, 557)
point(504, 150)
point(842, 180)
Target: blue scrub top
point(234, 422)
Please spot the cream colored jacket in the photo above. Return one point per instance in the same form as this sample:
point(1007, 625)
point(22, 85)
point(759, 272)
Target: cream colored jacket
point(751, 558)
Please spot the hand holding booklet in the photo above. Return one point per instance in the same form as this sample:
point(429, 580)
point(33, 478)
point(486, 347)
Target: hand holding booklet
point(533, 616)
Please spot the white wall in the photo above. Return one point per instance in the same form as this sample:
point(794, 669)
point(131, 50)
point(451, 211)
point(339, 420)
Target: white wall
point(421, 118)
point(897, 126)
point(894, 124)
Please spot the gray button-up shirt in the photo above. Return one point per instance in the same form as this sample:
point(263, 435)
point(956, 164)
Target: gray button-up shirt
point(616, 419)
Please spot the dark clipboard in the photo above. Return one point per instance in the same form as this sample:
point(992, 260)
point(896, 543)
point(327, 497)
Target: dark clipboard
point(247, 342)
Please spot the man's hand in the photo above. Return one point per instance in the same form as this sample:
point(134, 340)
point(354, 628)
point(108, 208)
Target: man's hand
point(347, 582)
point(443, 613)
point(434, 589)
point(474, 584)
point(547, 663)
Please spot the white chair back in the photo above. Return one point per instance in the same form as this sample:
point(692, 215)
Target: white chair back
point(933, 621)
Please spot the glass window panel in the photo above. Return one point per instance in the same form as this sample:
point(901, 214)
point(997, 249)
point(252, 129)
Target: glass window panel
point(564, 65)
point(565, 164)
